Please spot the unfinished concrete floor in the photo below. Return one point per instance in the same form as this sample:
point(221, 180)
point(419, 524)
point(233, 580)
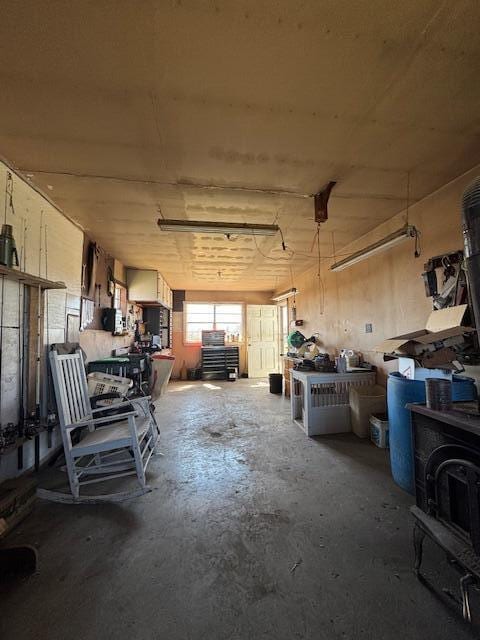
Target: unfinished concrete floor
point(240, 498)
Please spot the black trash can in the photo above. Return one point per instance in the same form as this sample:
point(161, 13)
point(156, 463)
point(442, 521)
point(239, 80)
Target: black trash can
point(276, 382)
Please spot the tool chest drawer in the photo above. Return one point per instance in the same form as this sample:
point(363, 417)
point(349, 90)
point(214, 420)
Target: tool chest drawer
point(216, 360)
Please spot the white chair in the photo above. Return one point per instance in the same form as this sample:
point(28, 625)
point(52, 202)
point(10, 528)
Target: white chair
point(110, 446)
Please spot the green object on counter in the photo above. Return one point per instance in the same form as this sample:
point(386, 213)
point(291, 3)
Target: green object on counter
point(295, 339)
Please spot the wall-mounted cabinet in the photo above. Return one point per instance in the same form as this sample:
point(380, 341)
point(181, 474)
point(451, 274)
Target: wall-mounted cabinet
point(142, 285)
point(146, 285)
point(165, 295)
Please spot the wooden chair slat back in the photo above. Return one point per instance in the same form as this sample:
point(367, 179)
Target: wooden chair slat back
point(71, 390)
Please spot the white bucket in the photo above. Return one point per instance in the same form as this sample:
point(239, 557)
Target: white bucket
point(379, 431)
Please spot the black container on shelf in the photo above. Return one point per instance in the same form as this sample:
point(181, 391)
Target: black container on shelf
point(438, 394)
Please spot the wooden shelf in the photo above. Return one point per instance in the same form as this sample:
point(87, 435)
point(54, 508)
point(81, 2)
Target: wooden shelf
point(29, 279)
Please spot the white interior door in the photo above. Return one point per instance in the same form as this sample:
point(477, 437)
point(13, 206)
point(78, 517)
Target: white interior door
point(262, 340)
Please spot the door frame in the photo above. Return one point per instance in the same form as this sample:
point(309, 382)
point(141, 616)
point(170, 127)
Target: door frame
point(281, 347)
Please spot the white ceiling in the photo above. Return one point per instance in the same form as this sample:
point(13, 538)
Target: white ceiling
point(121, 109)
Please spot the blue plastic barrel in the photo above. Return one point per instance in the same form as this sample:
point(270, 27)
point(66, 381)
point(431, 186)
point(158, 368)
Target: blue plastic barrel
point(400, 392)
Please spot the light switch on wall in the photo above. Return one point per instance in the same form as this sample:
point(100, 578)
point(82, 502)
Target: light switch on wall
point(369, 328)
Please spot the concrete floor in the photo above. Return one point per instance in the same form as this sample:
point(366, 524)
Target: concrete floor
point(240, 497)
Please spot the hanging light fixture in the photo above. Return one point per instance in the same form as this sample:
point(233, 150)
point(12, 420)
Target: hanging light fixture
point(225, 228)
point(406, 232)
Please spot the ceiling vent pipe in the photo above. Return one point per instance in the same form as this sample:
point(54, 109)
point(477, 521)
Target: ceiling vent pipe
point(471, 241)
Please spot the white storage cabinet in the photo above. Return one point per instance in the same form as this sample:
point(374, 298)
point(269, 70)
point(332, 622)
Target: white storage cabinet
point(320, 401)
point(142, 285)
point(146, 285)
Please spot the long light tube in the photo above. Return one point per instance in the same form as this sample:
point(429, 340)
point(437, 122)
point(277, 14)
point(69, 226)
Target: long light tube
point(288, 294)
point(408, 231)
point(226, 228)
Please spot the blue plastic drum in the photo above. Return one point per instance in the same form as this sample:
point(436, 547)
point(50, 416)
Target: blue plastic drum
point(400, 392)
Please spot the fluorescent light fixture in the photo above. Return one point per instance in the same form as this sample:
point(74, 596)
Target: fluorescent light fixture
point(226, 228)
point(288, 294)
point(389, 241)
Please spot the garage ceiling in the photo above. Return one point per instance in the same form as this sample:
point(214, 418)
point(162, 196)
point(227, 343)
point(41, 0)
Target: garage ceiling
point(125, 111)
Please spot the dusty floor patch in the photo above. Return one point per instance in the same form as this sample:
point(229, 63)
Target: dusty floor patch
point(259, 533)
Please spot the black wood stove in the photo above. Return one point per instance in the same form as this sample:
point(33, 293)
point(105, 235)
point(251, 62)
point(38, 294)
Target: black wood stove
point(447, 486)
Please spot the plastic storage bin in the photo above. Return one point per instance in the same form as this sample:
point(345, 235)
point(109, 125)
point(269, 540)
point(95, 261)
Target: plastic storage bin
point(364, 401)
point(379, 430)
point(100, 383)
point(400, 392)
point(320, 401)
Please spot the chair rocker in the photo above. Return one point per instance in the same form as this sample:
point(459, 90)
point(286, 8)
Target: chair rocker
point(109, 446)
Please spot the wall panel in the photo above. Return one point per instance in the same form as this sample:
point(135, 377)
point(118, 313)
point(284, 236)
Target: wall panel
point(49, 245)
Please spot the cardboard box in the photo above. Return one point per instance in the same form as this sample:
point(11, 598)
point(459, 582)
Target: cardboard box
point(432, 347)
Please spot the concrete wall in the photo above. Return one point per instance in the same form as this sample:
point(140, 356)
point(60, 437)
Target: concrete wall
point(50, 246)
point(191, 354)
point(386, 290)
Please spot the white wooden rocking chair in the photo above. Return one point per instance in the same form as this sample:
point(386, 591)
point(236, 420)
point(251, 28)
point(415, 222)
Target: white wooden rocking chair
point(110, 446)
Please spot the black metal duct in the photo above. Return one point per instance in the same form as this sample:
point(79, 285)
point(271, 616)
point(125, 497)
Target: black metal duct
point(471, 241)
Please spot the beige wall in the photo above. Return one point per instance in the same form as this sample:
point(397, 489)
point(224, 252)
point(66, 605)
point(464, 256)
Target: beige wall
point(99, 344)
point(386, 290)
point(191, 354)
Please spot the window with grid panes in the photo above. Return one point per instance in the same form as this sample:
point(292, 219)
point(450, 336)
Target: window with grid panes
point(206, 316)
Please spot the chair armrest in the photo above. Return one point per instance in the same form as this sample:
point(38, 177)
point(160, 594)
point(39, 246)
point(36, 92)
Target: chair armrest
point(93, 421)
